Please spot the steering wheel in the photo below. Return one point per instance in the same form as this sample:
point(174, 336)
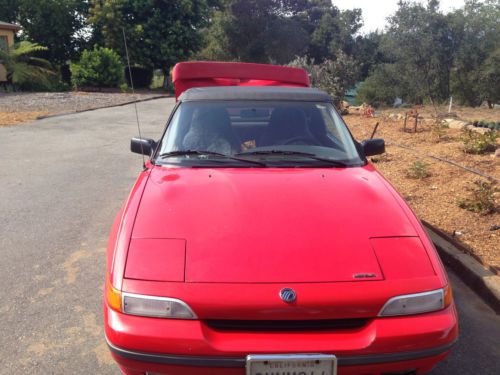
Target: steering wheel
point(300, 140)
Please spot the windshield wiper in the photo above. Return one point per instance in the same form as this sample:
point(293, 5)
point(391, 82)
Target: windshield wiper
point(336, 163)
point(209, 153)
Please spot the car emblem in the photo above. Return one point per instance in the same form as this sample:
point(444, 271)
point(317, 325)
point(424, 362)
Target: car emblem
point(288, 295)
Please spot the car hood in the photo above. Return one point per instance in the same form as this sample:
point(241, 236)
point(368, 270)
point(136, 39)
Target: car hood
point(252, 225)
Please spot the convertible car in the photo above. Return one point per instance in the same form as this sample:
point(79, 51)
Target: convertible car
point(259, 240)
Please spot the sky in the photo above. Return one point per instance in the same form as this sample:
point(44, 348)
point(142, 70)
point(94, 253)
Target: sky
point(375, 12)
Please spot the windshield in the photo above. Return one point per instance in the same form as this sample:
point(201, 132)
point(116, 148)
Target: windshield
point(256, 134)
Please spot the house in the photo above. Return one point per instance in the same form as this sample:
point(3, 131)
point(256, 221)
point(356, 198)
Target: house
point(7, 31)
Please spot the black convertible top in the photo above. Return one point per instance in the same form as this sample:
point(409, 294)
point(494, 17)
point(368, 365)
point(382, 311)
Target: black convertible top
point(267, 93)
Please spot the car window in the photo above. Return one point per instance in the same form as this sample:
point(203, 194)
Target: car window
point(234, 128)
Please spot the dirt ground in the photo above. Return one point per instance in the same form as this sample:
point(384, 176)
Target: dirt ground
point(11, 118)
point(21, 107)
point(435, 198)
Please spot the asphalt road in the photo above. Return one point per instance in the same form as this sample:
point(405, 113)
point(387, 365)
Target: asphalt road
point(62, 180)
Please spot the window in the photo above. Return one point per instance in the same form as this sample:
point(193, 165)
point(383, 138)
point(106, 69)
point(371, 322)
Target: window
point(284, 129)
point(4, 45)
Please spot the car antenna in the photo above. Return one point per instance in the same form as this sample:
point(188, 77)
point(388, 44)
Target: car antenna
point(135, 102)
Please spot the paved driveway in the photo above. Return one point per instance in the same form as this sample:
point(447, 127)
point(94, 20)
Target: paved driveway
point(62, 181)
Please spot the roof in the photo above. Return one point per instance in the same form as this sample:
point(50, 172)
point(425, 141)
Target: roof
point(268, 93)
point(9, 26)
point(186, 75)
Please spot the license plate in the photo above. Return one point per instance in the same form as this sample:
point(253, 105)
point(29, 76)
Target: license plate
point(291, 364)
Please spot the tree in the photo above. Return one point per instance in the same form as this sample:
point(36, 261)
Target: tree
point(275, 31)
point(23, 68)
point(256, 31)
point(8, 10)
point(333, 30)
point(418, 41)
point(381, 87)
point(367, 53)
point(159, 32)
point(332, 76)
point(418, 49)
point(489, 78)
point(56, 24)
point(477, 40)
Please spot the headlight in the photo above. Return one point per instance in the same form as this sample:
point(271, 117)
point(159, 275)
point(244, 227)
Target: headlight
point(417, 303)
point(159, 307)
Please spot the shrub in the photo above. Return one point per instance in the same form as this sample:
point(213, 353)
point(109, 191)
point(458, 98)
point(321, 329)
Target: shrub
point(475, 143)
point(439, 130)
point(100, 67)
point(482, 198)
point(332, 76)
point(379, 88)
point(418, 170)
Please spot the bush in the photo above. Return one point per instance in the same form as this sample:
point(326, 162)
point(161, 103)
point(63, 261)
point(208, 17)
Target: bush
point(475, 143)
point(333, 76)
point(482, 198)
point(51, 84)
point(378, 88)
point(100, 67)
point(417, 170)
point(142, 76)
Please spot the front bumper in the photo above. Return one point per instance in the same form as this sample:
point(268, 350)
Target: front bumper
point(384, 345)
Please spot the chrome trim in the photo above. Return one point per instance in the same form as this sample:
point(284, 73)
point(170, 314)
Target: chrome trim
point(411, 296)
point(207, 361)
point(157, 298)
point(285, 357)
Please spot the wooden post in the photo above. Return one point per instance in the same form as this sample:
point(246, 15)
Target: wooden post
point(416, 121)
point(406, 117)
point(374, 130)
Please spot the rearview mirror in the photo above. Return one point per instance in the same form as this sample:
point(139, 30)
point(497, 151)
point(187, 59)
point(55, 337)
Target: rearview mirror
point(373, 146)
point(144, 146)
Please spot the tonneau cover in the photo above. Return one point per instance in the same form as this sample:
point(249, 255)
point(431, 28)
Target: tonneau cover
point(186, 75)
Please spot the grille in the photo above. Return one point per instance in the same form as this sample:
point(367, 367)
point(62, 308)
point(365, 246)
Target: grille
point(285, 325)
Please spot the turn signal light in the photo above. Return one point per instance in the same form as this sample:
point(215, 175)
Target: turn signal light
point(448, 295)
point(113, 296)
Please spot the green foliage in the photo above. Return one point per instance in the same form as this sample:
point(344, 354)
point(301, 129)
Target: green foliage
point(418, 45)
point(481, 198)
point(475, 143)
point(100, 67)
point(333, 29)
point(367, 53)
point(276, 31)
point(489, 78)
point(381, 87)
point(418, 170)
point(426, 55)
point(24, 69)
point(57, 24)
point(476, 72)
point(332, 76)
point(124, 88)
point(159, 33)
point(439, 130)
point(8, 10)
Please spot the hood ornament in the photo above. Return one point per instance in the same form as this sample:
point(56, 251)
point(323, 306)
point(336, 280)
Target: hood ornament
point(288, 295)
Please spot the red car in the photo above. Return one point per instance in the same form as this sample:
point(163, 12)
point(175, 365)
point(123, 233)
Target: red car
point(259, 240)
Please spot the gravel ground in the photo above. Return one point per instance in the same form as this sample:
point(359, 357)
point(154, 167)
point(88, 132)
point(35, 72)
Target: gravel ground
point(65, 102)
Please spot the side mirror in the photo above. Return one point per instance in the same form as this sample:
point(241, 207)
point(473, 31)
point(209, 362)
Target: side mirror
point(144, 146)
point(373, 146)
